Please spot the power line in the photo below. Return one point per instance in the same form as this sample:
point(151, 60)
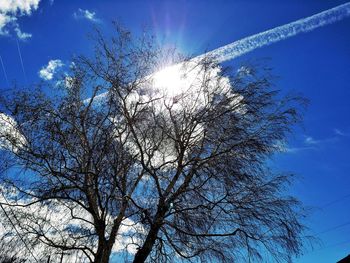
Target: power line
point(329, 246)
point(335, 201)
point(20, 57)
point(330, 204)
point(333, 228)
point(337, 244)
point(5, 74)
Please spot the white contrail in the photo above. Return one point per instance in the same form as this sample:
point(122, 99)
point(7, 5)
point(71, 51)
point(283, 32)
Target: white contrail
point(5, 74)
point(245, 45)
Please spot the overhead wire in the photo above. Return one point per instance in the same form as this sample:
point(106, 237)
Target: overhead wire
point(22, 64)
point(333, 228)
point(335, 201)
point(4, 71)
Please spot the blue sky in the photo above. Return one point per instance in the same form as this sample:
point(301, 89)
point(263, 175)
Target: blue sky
point(316, 63)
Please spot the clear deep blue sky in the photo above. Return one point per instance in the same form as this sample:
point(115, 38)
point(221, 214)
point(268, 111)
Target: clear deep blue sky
point(316, 64)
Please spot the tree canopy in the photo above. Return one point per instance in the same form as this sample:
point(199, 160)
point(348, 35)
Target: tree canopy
point(142, 151)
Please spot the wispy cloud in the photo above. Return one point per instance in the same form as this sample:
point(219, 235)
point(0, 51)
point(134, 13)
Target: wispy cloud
point(47, 72)
point(86, 14)
point(320, 142)
point(283, 147)
point(10, 10)
point(311, 141)
point(245, 45)
point(341, 133)
point(298, 149)
point(22, 35)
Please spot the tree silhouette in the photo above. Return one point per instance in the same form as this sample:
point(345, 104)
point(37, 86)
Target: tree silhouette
point(166, 166)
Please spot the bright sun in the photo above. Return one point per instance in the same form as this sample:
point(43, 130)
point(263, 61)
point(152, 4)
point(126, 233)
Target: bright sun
point(172, 80)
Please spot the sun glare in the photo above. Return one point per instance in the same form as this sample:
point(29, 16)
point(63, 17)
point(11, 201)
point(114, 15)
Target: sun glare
point(171, 80)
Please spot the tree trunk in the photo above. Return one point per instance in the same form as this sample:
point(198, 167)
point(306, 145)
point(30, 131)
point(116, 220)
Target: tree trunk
point(146, 249)
point(103, 253)
point(104, 249)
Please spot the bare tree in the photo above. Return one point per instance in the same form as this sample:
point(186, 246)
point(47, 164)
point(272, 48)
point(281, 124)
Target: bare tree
point(167, 163)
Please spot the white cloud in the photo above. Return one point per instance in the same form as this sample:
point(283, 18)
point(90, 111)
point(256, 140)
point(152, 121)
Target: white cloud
point(10, 10)
point(10, 137)
point(22, 35)
point(309, 140)
point(244, 71)
point(298, 149)
point(48, 71)
point(283, 147)
point(56, 225)
point(19, 6)
point(4, 20)
point(310, 143)
point(86, 14)
point(341, 133)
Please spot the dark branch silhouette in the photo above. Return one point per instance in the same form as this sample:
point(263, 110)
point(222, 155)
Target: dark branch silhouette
point(120, 158)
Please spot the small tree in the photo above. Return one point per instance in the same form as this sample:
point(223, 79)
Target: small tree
point(167, 165)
